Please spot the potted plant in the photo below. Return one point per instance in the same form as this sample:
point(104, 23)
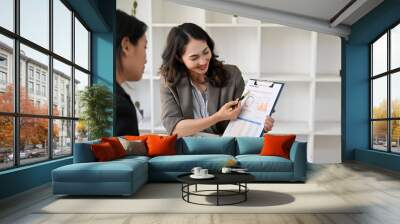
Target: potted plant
point(81, 130)
point(137, 105)
point(96, 103)
point(134, 7)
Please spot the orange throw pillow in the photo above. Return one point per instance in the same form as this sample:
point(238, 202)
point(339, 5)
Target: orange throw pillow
point(161, 145)
point(116, 145)
point(103, 152)
point(277, 145)
point(135, 138)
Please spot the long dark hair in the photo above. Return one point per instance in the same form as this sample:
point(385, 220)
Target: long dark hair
point(128, 26)
point(172, 67)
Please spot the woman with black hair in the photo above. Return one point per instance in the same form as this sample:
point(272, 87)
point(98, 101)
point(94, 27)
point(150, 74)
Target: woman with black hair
point(198, 92)
point(130, 58)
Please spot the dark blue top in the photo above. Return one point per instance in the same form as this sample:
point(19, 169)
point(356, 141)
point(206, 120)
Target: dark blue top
point(127, 123)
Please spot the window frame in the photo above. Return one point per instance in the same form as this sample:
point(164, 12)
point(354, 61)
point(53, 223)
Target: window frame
point(388, 74)
point(16, 115)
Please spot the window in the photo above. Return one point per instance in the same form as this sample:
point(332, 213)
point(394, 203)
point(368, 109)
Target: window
point(7, 86)
point(62, 30)
point(55, 102)
point(43, 77)
point(34, 22)
point(38, 89)
point(30, 87)
point(3, 61)
point(54, 127)
point(385, 91)
point(38, 74)
point(63, 140)
point(81, 45)
point(62, 75)
point(81, 81)
point(7, 14)
point(44, 91)
point(30, 72)
point(3, 71)
point(3, 78)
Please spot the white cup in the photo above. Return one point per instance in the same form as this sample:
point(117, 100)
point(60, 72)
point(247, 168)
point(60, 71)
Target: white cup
point(196, 170)
point(226, 170)
point(203, 172)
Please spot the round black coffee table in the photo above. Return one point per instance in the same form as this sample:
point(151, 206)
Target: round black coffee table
point(238, 179)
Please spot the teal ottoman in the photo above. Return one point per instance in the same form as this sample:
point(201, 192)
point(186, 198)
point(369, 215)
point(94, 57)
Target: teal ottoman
point(118, 177)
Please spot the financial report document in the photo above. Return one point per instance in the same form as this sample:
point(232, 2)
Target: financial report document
point(259, 102)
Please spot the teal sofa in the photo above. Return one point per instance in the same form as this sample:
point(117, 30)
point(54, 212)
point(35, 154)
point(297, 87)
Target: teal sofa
point(125, 176)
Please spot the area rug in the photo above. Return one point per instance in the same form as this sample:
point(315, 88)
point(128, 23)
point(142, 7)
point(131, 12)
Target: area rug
point(167, 198)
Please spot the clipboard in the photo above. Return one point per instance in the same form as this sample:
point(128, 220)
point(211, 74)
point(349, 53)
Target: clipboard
point(259, 102)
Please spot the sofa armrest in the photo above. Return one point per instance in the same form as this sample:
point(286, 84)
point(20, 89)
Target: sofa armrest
point(298, 155)
point(83, 152)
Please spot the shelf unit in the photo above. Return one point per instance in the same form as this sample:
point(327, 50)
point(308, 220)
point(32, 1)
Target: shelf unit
point(307, 62)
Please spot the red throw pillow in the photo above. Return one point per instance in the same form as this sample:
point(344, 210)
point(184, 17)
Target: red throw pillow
point(277, 145)
point(116, 145)
point(161, 145)
point(103, 152)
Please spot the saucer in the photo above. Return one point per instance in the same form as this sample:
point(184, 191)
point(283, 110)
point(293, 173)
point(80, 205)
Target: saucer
point(208, 176)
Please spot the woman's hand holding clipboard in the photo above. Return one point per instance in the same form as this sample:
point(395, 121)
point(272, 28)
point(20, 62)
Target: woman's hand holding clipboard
point(258, 102)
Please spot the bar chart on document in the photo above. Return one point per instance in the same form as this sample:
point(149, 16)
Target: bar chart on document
point(261, 97)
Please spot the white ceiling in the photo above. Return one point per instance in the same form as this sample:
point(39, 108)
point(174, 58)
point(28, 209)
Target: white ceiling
point(312, 15)
point(319, 9)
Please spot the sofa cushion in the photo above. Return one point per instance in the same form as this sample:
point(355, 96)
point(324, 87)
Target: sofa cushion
point(112, 171)
point(185, 163)
point(257, 163)
point(248, 145)
point(93, 172)
point(130, 158)
point(206, 145)
point(83, 152)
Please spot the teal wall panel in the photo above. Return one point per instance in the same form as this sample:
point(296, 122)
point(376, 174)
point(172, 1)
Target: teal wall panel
point(24, 178)
point(376, 158)
point(356, 116)
point(356, 100)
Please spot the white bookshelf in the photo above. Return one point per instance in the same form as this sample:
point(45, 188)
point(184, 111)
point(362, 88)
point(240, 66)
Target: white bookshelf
point(159, 37)
point(326, 149)
point(307, 62)
point(245, 40)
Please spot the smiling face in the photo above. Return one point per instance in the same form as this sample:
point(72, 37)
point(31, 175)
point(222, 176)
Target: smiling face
point(196, 57)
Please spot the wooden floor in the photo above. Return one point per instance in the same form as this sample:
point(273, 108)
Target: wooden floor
point(378, 188)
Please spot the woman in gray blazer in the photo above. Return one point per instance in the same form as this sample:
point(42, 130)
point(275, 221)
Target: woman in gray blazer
point(198, 92)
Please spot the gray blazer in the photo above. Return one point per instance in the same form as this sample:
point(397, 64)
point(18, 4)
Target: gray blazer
point(177, 102)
